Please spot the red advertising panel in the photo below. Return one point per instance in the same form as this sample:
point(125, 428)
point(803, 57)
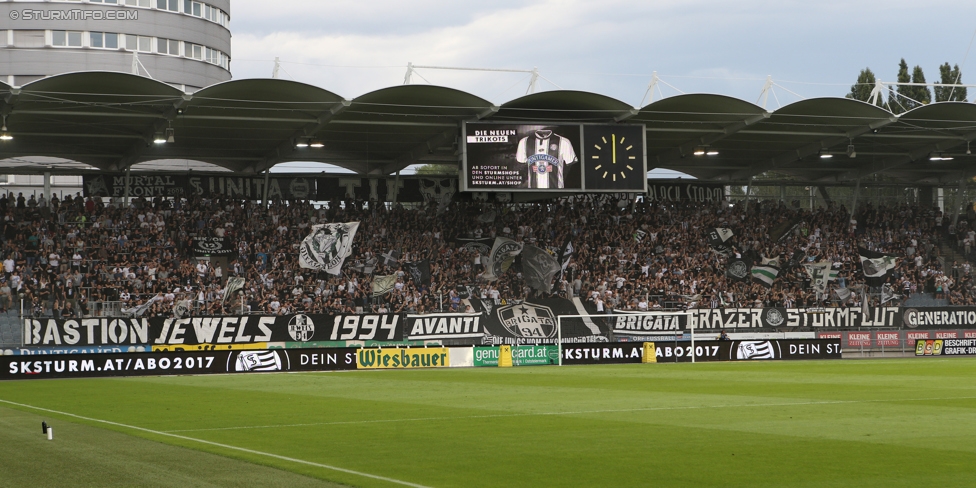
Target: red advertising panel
point(888, 339)
point(912, 335)
point(829, 335)
point(969, 334)
point(858, 339)
point(946, 334)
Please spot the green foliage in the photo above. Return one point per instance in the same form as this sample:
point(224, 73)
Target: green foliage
point(950, 76)
point(437, 170)
point(921, 93)
point(898, 102)
point(861, 90)
point(909, 96)
point(902, 422)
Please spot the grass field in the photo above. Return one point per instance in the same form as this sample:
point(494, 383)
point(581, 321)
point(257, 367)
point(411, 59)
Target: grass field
point(906, 422)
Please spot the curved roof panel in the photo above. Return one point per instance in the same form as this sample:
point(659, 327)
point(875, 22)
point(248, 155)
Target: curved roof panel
point(563, 105)
point(109, 120)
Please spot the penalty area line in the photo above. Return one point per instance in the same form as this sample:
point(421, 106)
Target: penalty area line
point(218, 444)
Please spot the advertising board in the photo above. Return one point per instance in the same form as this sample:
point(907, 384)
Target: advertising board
point(521, 355)
point(541, 157)
point(945, 347)
point(175, 363)
point(774, 349)
point(404, 358)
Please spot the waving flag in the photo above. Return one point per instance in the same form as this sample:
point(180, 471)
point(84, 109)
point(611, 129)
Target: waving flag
point(327, 247)
point(876, 266)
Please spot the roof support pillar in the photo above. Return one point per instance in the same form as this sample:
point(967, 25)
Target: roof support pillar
point(267, 177)
point(128, 176)
point(823, 193)
point(959, 200)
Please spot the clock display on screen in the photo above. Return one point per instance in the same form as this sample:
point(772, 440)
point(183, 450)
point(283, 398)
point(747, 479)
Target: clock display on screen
point(614, 157)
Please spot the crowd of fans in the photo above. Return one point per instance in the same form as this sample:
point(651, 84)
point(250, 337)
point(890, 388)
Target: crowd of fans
point(81, 255)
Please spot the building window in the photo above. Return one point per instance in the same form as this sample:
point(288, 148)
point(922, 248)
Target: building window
point(138, 43)
point(139, 3)
point(196, 52)
point(167, 46)
point(113, 2)
point(104, 40)
point(171, 5)
point(28, 38)
point(66, 38)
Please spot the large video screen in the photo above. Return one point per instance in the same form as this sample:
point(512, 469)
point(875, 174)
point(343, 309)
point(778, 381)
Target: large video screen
point(554, 157)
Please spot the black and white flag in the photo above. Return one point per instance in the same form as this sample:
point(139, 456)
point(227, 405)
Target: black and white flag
point(738, 270)
point(419, 272)
point(755, 350)
point(234, 283)
point(383, 284)
point(538, 268)
point(843, 294)
point(391, 258)
point(327, 247)
point(640, 235)
point(501, 258)
point(565, 256)
point(487, 217)
point(720, 239)
point(139, 310)
point(182, 308)
point(258, 361)
point(876, 266)
point(888, 294)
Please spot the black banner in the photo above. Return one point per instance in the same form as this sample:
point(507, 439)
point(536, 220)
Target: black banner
point(774, 349)
point(445, 326)
point(247, 329)
point(938, 317)
point(758, 318)
point(535, 322)
point(213, 246)
point(669, 191)
point(176, 363)
point(607, 353)
point(281, 187)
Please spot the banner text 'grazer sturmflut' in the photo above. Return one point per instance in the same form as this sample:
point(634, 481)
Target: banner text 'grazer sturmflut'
point(245, 329)
point(176, 363)
point(755, 318)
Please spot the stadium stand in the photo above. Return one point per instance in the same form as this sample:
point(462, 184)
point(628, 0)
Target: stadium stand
point(91, 257)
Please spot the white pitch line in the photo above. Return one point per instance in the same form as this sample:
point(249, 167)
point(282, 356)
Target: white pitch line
point(225, 446)
point(580, 412)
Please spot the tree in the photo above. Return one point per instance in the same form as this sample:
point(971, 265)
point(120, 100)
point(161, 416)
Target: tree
point(437, 170)
point(950, 76)
point(861, 90)
point(921, 93)
point(901, 103)
point(910, 96)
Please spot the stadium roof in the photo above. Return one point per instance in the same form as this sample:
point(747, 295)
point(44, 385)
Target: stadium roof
point(107, 121)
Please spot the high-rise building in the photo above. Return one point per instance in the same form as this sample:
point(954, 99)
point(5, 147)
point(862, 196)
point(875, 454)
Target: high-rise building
point(185, 43)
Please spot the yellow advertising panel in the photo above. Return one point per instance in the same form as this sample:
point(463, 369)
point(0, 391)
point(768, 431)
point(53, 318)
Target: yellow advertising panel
point(650, 353)
point(505, 356)
point(414, 357)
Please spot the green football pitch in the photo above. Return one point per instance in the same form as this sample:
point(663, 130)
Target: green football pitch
point(905, 422)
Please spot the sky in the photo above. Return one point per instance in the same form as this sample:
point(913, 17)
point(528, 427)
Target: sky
point(809, 48)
